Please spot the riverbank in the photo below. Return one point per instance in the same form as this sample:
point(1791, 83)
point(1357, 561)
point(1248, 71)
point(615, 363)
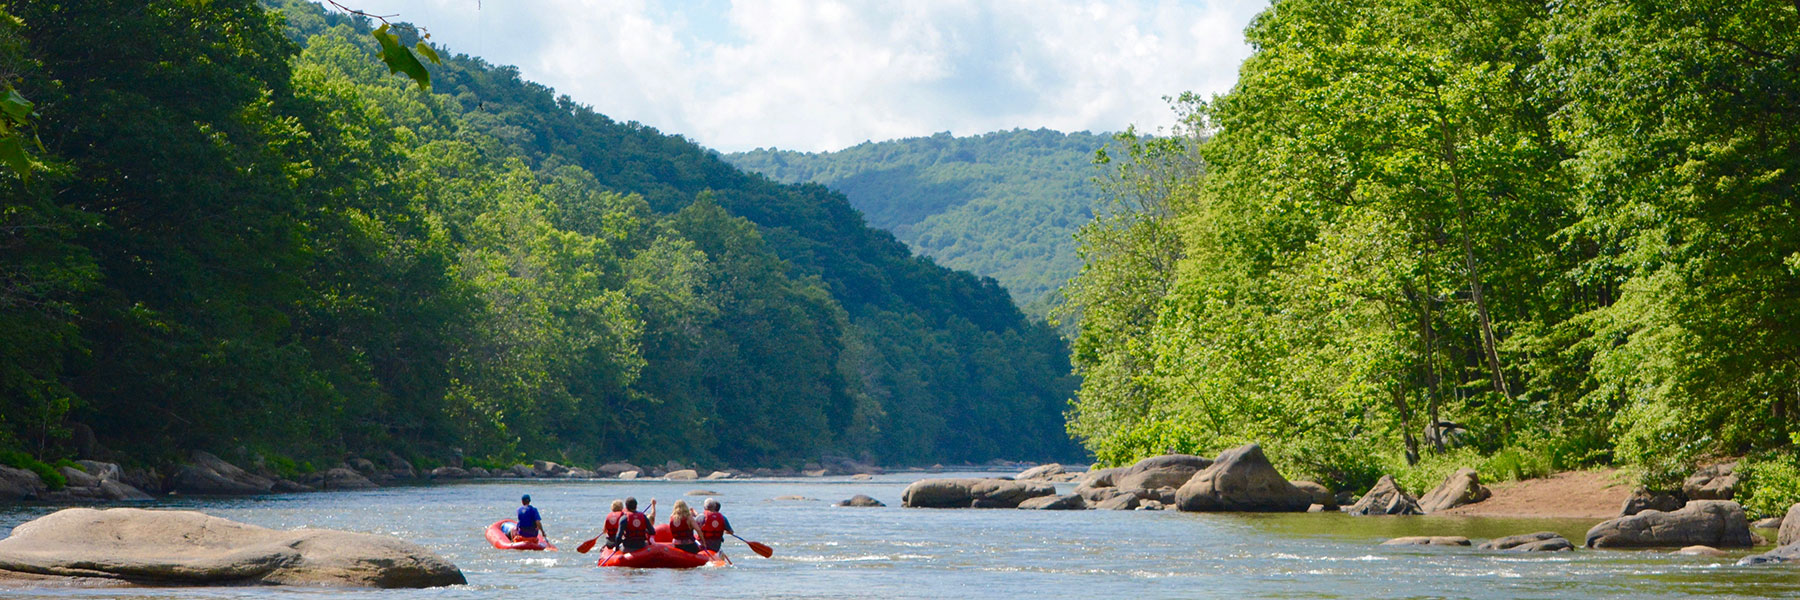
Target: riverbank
point(1595, 494)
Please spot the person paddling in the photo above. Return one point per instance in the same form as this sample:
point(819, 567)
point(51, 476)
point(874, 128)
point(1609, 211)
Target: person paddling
point(682, 526)
point(530, 525)
point(713, 526)
point(611, 530)
point(634, 527)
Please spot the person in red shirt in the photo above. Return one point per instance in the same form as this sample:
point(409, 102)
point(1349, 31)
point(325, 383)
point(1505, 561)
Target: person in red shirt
point(682, 526)
point(635, 530)
point(713, 526)
point(612, 524)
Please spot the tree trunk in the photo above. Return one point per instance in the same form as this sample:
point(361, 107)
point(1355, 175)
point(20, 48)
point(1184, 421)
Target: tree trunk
point(1489, 344)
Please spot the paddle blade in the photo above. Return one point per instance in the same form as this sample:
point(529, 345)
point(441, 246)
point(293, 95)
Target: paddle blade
point(586, 546)
point(760, 549)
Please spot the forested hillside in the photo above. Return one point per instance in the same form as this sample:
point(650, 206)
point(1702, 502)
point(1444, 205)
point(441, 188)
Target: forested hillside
point(243, 234)
point(1569, 230)
point(1002, 205)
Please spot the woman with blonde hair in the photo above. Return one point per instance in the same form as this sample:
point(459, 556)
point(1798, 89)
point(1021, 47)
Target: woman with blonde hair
point(682, 526)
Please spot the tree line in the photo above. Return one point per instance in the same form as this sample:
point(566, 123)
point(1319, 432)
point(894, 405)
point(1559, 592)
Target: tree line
point(243, 234)
point(1544, 235)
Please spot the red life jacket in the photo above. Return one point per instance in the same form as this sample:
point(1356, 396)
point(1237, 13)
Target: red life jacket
point(634, 528)
point(712, 525)
point(612, 523)
point(682, 530)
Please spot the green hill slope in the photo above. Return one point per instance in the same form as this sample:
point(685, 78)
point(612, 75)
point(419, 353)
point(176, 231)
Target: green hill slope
point(1002, 205)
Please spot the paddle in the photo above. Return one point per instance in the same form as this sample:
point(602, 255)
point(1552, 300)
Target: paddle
point(588, 545)
point(759, 548)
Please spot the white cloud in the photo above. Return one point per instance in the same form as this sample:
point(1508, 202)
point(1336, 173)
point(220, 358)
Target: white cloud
point(825, 74)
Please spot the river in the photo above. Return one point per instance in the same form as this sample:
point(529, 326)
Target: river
point(822, 551)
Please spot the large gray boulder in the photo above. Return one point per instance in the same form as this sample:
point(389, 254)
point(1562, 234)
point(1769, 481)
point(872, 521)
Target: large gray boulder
point(20, 484)
point(78, 478)
point(148, 547)
point(1386, 499)
point(1320, 494)
point(1716, 523)
point(1642, 499)
point(613, 469)
point(861, 500)
point(1241, 479)
point(683, 475)
point(1045, 472)
point(1119, 502)
point(1063, 502)
point(1542, 541)
point(1459, 488)
point(449, 473)
point(209, 475)
point(1168, 470)
point(345, 479)
point(972, 493)
point(1717, 482)
point(1790, 527)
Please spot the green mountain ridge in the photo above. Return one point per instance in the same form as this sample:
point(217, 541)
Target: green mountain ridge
point(1004, 204)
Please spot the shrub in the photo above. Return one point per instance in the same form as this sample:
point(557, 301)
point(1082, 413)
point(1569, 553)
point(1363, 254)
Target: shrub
point(1769, 484)
point(47, 473)
point(1513, 464)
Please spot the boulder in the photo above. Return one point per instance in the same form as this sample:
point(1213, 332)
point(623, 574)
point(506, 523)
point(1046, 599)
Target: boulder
point(78, 478)
point(972, 492)
point(716, 475)
point(1717, 482)
point(1099, 477)
point(1386, 499)
point(860, 500)
point(579, 473)
point(147, 547)
point(1642, 500)
point(103, 470)
point(683, 475)
point(1519, 540)
point(861, 477)
point(1717, 523)
point(523, 471)
point(794, 498)
point(361, 465)
point(283, 486)
point(672, 466)
point(1168, 470)
point(1459, 488)
point(1241, 479)
point(544, 468)
point(613, 469)
point(1428, 540)
point(1125, 501)
point(1700, 551)
point(479, 472)
point(449, 473)
point(1781, 554)
point(149, 480)
point(1096, 495)
point(1040, 472)
point(1769, 523)
point(1152, 505)
point(628, 475)
point(1790, 527)
point(813, 473)
point(118, 491)
point(1555, 544)
point(1321, 495)
point(399, 467)
point(208, 475)
point(702, 493)
point(345, 479)
point(1063, 502)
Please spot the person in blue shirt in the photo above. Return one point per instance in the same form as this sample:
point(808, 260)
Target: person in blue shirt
point(530, 524)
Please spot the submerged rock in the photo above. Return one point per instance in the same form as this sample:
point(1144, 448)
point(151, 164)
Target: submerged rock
point(1428, 540)
point(1513, 541)
point(861, 500)
point(189, 548)
point(1717, 523)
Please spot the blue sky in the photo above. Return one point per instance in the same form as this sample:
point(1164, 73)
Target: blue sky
point(818, 75)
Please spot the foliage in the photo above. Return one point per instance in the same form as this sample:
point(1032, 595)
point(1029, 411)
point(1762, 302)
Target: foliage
point(1564, 229)
point(1000, 205)
point(45, 472)
point(249, 235)
point(1769, 484)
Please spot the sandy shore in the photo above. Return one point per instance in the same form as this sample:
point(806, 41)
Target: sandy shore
point(1574, 494)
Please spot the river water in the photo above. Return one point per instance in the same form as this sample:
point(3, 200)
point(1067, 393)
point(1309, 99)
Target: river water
point(822, 551)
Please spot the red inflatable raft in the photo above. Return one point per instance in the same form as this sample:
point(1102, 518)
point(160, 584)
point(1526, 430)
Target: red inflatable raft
point(660, 556)
point(497, 537)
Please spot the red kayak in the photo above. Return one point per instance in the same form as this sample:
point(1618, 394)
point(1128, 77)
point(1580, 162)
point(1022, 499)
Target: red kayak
point(660, 556)
point(498, 538)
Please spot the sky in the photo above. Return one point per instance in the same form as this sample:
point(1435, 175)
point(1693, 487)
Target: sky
point(822, 75)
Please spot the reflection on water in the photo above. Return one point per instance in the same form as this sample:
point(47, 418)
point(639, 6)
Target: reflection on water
point(823, 551)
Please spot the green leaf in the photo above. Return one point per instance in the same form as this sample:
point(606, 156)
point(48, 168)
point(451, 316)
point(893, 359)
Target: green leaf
point(15, 105)
point(12, 152)
point(429, 54)
point(401, 60)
